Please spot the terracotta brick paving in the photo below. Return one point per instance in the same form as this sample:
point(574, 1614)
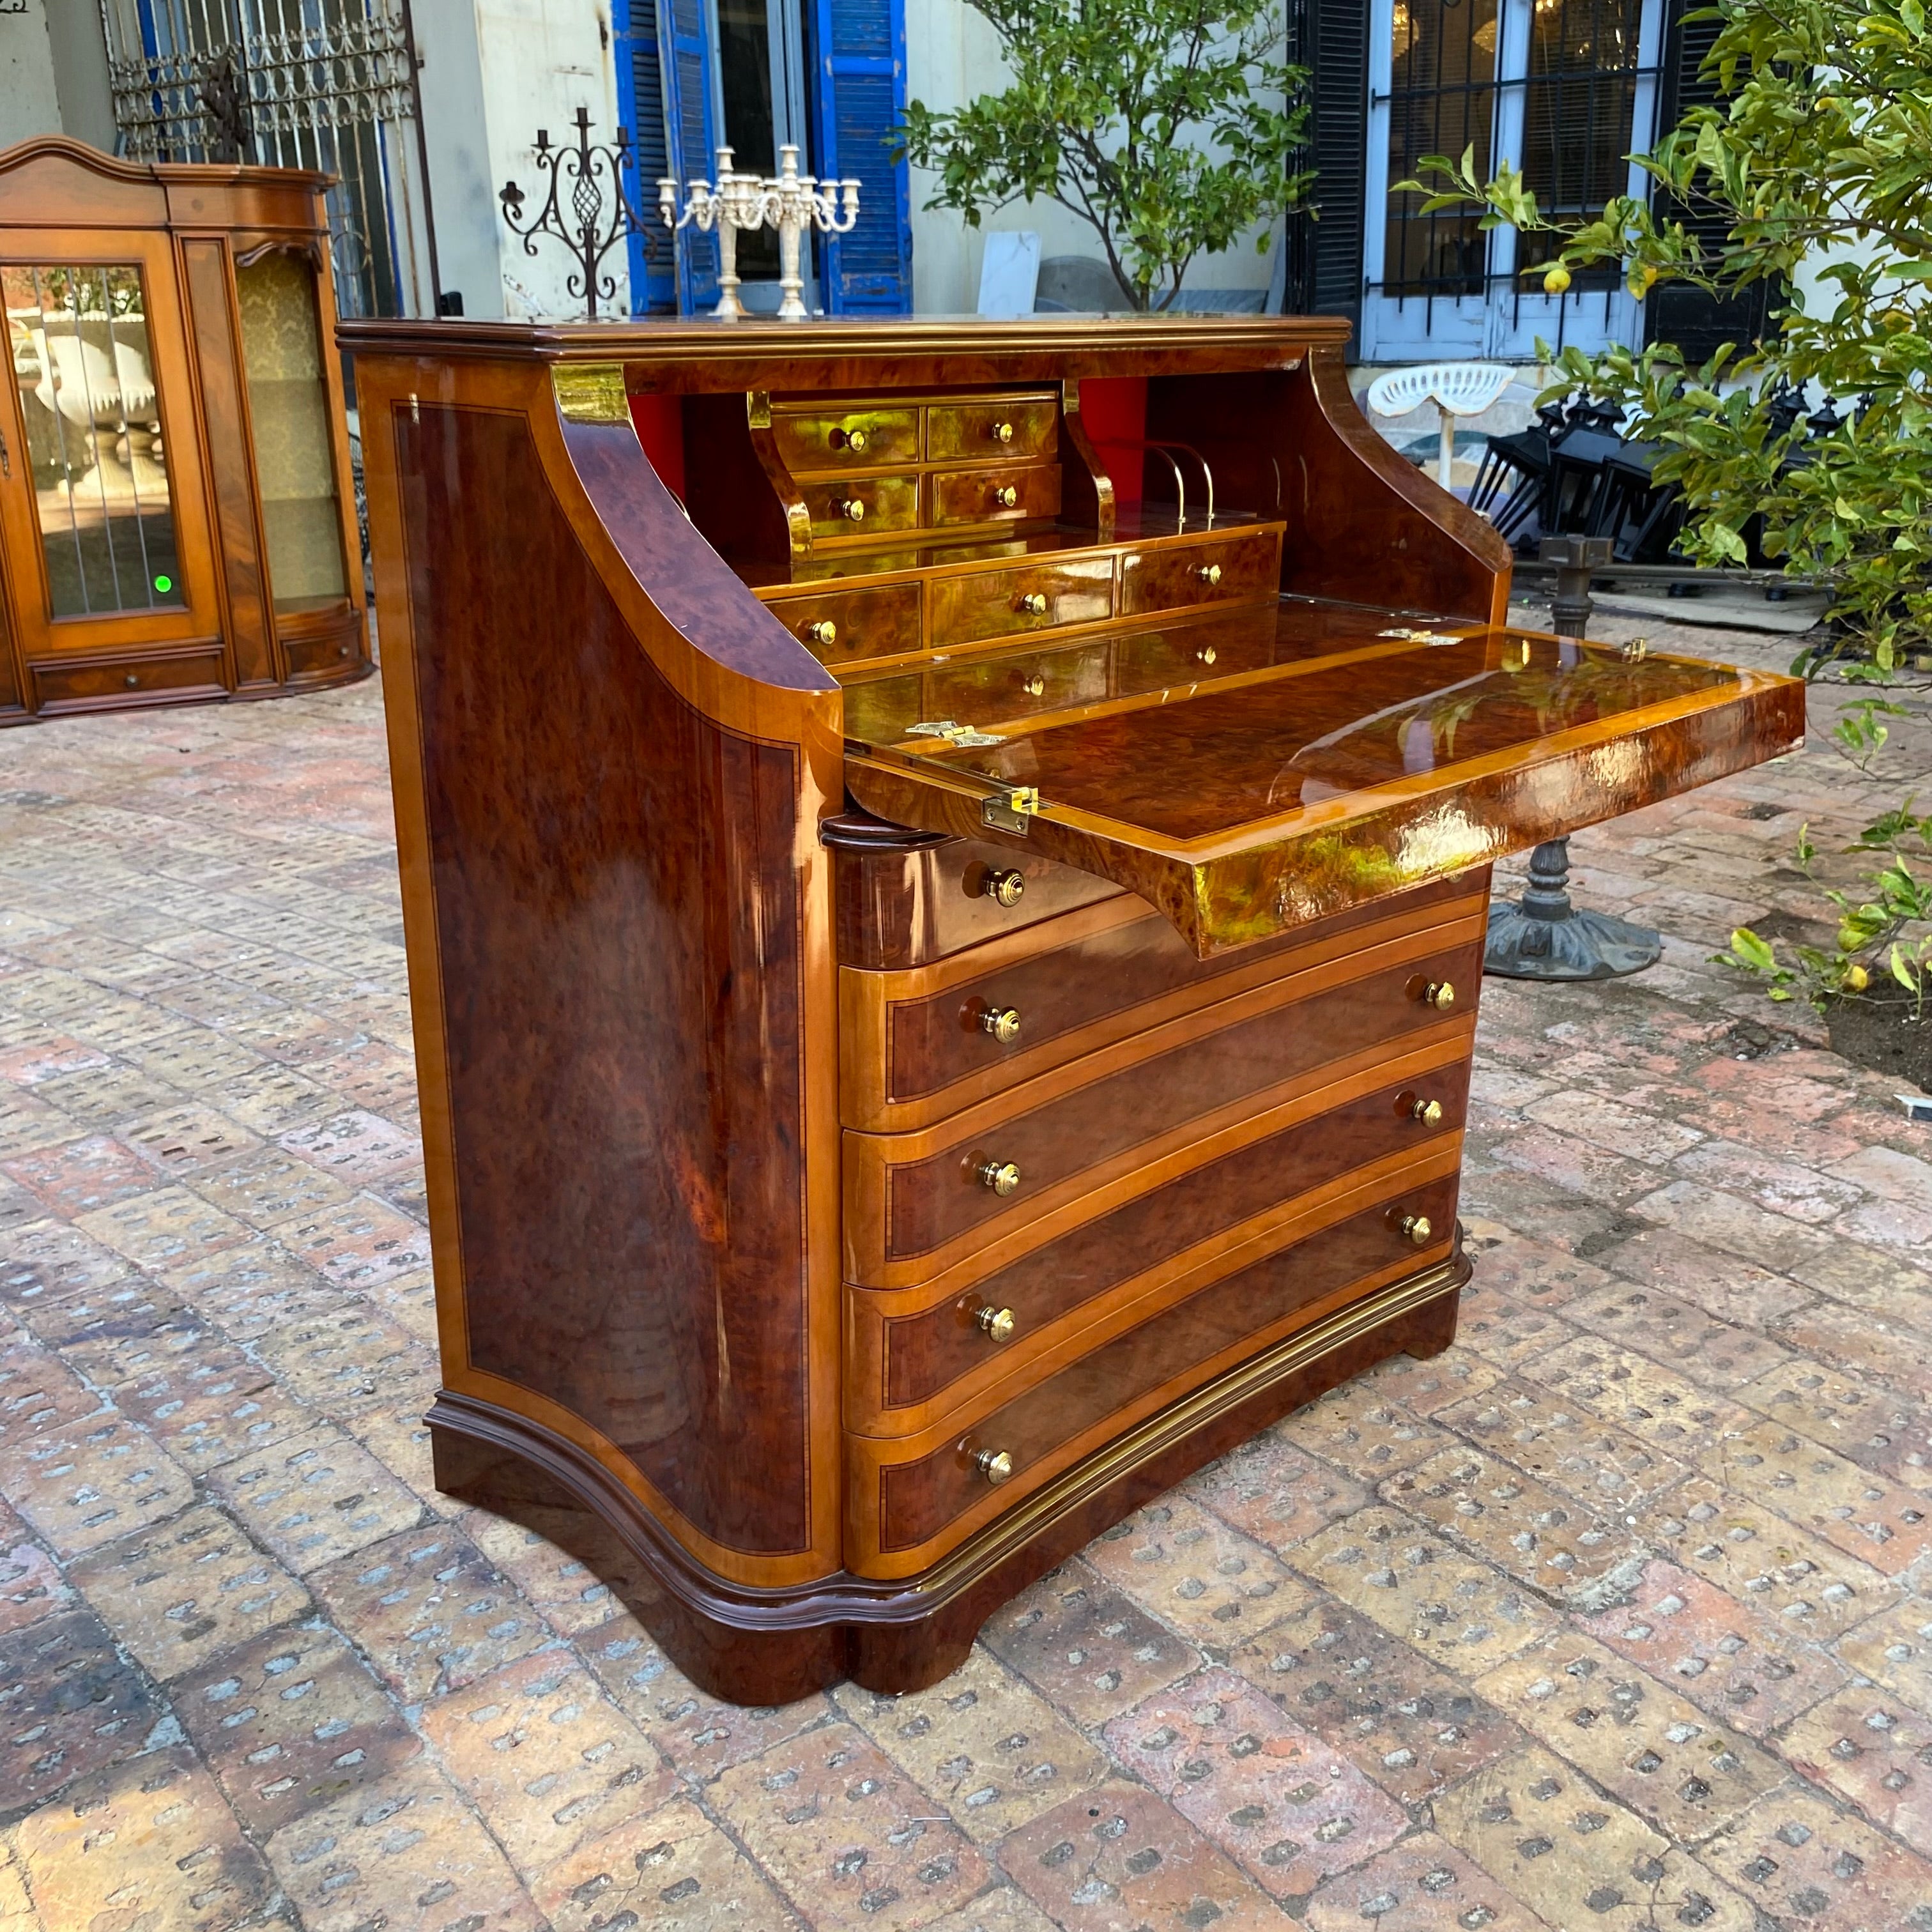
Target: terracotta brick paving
point(1618, 1616)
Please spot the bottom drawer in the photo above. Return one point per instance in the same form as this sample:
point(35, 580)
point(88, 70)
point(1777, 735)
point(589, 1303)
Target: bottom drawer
point(94, 684)
point(911, 1500)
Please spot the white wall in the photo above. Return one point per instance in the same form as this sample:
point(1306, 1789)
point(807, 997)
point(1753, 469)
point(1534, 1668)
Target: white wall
point(952, 56)
point(493, 72)
point(29, 101)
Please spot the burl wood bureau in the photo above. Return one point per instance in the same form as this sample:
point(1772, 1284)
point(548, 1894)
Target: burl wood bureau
point(945, 867)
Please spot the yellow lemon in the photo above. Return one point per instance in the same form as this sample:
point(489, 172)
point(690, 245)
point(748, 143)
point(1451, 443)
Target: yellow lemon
point(1557, 280)
point(1857, 978)
point(1649, 276)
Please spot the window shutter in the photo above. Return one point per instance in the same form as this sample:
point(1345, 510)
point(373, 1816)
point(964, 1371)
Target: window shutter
point(1697, 323)
point(858, 102)
point(690, 143)
point(641, 107)
point(1334, 41)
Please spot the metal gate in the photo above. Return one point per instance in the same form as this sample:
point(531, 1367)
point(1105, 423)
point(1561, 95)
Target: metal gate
point(324, 84)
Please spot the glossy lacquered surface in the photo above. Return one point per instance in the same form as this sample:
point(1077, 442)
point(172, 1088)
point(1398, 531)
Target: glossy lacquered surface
point(731, 999)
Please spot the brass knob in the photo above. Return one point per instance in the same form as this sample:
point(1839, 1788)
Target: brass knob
point(1006, 496)
point(824, 631)
point(1209, 574)
point(1416, 1227)
point(1206, 654)
point(1006, 887)
point(1034, 604)
point(1034, 684)
point(1003, 432)
point(851, 509)
point(1000, 1323)
point(1001, 1176)
point(1429, 1112)
point(995, 1465)
point(132, 680)
point(1002, 1022)
point(853, 440)
point(1438, 994)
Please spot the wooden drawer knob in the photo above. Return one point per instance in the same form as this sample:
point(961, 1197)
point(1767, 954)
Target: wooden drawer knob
point(995, 1465)
point(1438, 994)
point(1006, 496)
point(851, 509)
point(1002, 1022)
point(1003, 432)
point(1209, 574)
point(1001, 1324)
point(1034, 604)
point(1429, 1112)
point(823, 631)
point(1004, 888)
point(1415, 1227)
point(1001, 1176)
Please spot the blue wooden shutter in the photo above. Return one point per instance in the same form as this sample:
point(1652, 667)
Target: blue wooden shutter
point(691, 140)
point(858, 102)
point(641, 107)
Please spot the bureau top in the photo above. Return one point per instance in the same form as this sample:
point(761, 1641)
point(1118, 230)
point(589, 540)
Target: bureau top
point(689, 357)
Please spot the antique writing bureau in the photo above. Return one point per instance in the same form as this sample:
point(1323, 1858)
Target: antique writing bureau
point(945, 867)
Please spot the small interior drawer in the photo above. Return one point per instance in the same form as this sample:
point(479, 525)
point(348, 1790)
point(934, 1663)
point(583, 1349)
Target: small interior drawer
point(999, 603)
point(995, 496)
point(863, 438)
point(841, 627)
point(861, 506)
point(1226, 570)
point(880, 708)
point(985, 431)
point(909, 1499)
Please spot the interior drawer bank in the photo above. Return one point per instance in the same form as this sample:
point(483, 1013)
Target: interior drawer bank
point(917, 1203)
point(917, 1045)
point(915, 1354)
point(909, 1499)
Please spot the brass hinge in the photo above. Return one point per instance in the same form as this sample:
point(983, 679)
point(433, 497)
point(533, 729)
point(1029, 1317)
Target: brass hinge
point(1421, 636)
point(590, 391)
point(961, 737)
point(1011, 810)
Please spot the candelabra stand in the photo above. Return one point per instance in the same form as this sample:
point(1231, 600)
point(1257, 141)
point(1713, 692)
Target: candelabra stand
point(789, 201)
point(590, 238)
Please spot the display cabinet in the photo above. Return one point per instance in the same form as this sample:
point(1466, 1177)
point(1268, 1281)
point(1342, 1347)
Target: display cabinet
point(945, 868)
point(177, 520)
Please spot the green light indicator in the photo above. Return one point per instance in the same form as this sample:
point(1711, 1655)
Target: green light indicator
point(164, 584)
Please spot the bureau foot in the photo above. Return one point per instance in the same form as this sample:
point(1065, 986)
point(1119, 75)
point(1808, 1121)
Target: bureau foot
point(767, 1647)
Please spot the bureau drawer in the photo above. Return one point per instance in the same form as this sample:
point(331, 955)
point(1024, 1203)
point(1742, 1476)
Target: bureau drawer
point(994, 496)
point(856, 506)
point(830, 438)
point(1176, 575)
point(881, 621)
point(1012, 427)
point(997, 603)
point(917, 1046)
point(881, 710)
point(918, 1203)
point(71, 686)
point(899, 909)
point(912, 1356)
point(910, 1499)
point(1216, 647)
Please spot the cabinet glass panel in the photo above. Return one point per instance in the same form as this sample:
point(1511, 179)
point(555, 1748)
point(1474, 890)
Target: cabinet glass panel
point(77, 336)
point(288, 400)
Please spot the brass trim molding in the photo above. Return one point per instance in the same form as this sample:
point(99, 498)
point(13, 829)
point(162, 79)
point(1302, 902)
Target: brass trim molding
point(590, 392)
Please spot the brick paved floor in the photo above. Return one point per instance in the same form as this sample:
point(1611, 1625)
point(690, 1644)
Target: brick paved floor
point(1615, 1616)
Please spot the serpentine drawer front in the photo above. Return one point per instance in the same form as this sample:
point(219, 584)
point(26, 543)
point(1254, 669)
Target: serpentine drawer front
point(944, 976)
point(912, 1498)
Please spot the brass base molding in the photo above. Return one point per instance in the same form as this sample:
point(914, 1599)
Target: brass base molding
point(765, 1646)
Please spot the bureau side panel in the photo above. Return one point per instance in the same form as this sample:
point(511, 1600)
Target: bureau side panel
point(619, 923)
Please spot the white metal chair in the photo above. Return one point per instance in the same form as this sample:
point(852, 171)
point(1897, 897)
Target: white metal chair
point(1455, 389)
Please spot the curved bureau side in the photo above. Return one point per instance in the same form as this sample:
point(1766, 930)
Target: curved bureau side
point(609, 762)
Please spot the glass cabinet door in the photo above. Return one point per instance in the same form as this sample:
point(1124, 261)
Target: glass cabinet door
point(102, 502)
point(295, 455)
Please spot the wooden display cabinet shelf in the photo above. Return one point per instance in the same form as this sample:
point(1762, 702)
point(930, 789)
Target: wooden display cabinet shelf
point(176, 524)
point(929, 1034)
